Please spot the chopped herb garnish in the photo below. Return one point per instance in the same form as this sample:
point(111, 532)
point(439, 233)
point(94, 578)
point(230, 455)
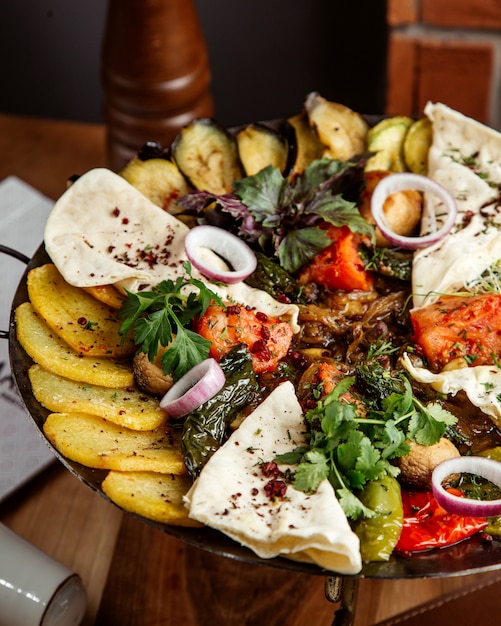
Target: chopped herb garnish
point(351, 449)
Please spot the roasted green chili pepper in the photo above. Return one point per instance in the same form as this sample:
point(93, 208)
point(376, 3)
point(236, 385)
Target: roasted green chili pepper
point(273, 279)
point(379, 534)
point(204, 429)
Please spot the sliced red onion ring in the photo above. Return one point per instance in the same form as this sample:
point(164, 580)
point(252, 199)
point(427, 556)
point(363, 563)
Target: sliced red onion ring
point(480, 466)
point(405, 181)
point(197, 386)
point(228, 246)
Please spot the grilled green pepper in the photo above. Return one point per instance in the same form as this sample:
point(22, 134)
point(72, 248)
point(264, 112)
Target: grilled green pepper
point(273, 279)
point(204, 429)
point(379, 534)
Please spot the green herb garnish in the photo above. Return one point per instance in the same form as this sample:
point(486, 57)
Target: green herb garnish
point(161, 317)
point(351, 449)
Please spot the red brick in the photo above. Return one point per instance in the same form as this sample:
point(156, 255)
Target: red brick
point(401, 75)
point(462, 13)
point(456, 73)
point(400, 12)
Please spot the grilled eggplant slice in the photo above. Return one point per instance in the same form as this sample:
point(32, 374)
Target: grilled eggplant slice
point(417, 144)
point(386, 140)
point(260, 146)
point(342, 131)
point(207, 155)
point(158, 179)
point(307, 144)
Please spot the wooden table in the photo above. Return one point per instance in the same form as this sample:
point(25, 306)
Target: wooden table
point(136, 575)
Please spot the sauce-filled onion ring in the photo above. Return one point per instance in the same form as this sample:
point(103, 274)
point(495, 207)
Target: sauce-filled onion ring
point(405, 181)
point(228, 246)
point(477, 465)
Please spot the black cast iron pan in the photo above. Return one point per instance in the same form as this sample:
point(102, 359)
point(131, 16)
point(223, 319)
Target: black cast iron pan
point(468, 557)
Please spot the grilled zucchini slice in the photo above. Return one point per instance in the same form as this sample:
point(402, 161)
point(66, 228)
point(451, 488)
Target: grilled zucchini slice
point(386, 140)
point(342, 131)
point(207, 155)
point(417, 144)
point(260, 146)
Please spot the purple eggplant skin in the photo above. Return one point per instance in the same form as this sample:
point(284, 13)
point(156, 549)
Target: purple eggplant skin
point(261, 145)
point(207, 155)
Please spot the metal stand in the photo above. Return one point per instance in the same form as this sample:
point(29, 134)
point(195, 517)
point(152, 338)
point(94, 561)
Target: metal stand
point(343, 591)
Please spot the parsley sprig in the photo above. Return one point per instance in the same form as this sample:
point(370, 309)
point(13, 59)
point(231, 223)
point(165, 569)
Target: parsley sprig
point(161, 317)
point(351, 449)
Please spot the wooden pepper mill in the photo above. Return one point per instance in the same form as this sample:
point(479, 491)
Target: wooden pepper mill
point(155, 74)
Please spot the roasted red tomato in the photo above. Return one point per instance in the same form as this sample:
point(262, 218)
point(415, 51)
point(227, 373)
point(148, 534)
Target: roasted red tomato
point(427, 525)
point(339, 266)
point(453, 327)
point(268, 337)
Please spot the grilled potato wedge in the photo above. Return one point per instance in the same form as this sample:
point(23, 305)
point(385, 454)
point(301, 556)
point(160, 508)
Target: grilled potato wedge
point(387, 139)
point(98, 443)
point(207, 155)
point(158, 497)
point(158, 179)
point(87, 325)
point(260, 146)
point(126, 407)
point(342, 131)
point(54, 354)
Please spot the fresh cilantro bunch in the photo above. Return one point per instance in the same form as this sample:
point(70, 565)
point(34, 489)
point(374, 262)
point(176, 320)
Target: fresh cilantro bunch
point(351, 449)
point(163, 315)
point(283, 215)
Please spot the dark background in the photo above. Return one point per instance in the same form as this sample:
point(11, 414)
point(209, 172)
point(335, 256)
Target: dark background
point(266, 55)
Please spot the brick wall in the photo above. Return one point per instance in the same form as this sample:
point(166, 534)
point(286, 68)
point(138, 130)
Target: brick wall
point(446, 51)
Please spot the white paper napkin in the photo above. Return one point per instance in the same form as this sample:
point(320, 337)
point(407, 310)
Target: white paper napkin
point(23, 453)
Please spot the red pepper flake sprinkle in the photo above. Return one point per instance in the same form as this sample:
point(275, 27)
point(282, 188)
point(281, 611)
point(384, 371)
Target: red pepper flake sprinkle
point(275, 489)
point(270, 469)
point(261, 350)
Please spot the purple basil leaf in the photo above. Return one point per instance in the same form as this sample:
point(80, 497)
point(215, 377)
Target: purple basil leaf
point(298, 247)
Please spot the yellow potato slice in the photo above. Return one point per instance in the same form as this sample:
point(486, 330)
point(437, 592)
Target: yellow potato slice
point(98, 443)
point(158, 497)
point(125, 407)
point(107, 294)
point(87, 325)
point(54, 354)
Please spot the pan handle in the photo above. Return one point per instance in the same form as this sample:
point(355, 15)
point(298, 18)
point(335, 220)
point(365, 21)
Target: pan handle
point(4, 334)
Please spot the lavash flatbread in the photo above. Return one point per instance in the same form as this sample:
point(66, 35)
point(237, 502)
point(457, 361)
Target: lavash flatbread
point(229, 494)
point(475, 241)
point(104, 231)
point(473, 245)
